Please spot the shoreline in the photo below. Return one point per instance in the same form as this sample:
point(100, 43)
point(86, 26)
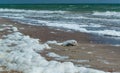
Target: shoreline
point(42, 32)
point(59, 34)
point(86, 49)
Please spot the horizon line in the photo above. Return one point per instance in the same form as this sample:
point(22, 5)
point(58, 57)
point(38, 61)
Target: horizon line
point(57, 3)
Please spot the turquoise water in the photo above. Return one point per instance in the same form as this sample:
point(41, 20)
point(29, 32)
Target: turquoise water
point(68, 7)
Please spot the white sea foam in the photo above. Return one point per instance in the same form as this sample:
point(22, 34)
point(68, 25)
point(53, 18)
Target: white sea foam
point(79, 61)
point(67, 26)
point(93, 18)
point(29, 11)
point(8, 27)
point(19, 52)
point(117, 45)
point(53, 42)
point(113, 33)
point(91, 25)
point(81, 29)
point(107, 13)
point(64, 19)
point(56, 56)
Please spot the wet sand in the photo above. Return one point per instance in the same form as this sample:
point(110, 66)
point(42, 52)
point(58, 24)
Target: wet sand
point(44, 33)
point(98, 56)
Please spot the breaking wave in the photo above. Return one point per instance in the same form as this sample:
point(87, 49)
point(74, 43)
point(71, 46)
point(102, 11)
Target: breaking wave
point(101, 23)
point(107, 13)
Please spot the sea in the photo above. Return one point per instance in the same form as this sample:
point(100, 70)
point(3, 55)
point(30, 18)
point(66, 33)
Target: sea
point(100, 20)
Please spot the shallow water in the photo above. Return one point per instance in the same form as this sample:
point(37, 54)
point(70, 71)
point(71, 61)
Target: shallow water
point(100, 20)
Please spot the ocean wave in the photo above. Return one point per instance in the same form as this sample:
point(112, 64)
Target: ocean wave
point(107, 13)
point(83, 22)
point(110, 33)
point(93, 18)
point(81, 28)
point(30, 11)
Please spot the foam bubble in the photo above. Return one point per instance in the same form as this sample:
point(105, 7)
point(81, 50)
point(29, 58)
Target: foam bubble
point(23, 56)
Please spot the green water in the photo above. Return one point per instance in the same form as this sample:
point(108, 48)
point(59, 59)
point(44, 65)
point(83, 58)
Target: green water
point(67, 7)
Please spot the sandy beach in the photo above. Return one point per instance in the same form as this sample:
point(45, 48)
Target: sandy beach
point(87, 53)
